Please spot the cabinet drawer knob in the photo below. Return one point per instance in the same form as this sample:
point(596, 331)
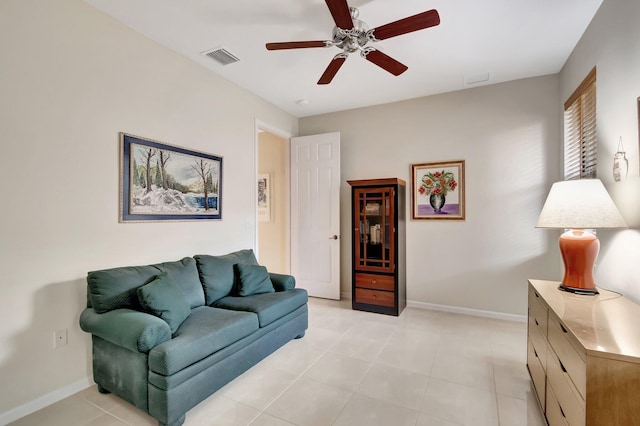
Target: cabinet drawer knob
point(374, 296)
point(564, 370)
point(564, 330)
point(537, 323)
point(373, 281)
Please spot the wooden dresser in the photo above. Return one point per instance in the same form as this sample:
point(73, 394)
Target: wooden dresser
point(583, 355)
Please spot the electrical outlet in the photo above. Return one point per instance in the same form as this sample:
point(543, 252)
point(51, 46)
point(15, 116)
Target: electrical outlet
point(60, 338)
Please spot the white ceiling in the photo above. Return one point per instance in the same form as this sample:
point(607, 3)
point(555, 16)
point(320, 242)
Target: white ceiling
point(509, 39)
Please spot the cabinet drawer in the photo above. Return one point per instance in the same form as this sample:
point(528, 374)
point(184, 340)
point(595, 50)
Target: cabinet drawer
point(538, 341)
point(537, 374)
point(374, 297)
point(570, 402)
point(539, 311)
point(565, 348)
point(376, 282)
point(554, 413)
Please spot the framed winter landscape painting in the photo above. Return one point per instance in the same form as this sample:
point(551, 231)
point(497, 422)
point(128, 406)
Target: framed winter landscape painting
point(163, 182)
point(438, 190)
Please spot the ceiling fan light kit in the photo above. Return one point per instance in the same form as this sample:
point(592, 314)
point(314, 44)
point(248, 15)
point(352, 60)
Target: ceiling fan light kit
point(352, 35)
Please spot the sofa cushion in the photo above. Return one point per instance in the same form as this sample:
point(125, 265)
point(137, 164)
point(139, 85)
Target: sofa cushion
point(162, 298)
point(116, 288)
point(217, 275)
point(185, 274)
point(252, 279)
point(268, 306)
point(204, 332)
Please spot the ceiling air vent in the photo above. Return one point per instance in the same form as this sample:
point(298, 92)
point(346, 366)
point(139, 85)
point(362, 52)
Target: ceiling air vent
point(221, 55)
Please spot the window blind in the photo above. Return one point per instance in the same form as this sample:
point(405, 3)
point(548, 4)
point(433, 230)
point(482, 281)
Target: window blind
point(580, 138)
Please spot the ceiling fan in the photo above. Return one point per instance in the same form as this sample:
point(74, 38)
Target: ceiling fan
point(352, 35)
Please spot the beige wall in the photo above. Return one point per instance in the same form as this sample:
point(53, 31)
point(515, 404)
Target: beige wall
point(612, 44)
point(71, 78)
point(272, 235)
point(509, 135)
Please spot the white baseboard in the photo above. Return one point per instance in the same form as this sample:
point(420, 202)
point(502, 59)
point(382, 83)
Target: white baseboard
point(467, 311)
point(45, 400)
point(458, 310)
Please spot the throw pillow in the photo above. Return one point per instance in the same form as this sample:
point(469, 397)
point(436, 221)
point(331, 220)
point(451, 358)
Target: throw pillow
point(162, 298)
point(252, 279)
point(185, 274)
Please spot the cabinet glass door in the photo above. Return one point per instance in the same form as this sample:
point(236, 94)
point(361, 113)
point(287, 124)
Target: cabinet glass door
point(374, 232)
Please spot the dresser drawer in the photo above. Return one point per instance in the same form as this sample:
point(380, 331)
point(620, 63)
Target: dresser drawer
point(554, 413)
point(538, 341)
point(375, 297)
point(573, 361)
point(538, 311)
point(376, 282)
point(571, 403)
point(537, 374)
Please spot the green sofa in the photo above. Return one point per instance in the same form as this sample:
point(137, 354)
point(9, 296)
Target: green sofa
point(166, 336)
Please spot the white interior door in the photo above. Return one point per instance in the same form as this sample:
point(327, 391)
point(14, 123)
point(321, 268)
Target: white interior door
point(315, 214)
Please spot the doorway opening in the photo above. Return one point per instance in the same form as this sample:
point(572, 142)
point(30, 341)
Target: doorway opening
point(272, 199)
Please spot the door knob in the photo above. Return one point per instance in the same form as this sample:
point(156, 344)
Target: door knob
point(335, 237)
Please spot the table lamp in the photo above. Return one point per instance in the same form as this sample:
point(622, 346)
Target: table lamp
point(579, 205)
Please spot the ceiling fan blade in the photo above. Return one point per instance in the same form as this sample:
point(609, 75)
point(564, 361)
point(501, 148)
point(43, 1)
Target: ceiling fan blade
point(297, 45)
point(384, 61)
point(333, 68)
point(341, 14)
point(423, 20)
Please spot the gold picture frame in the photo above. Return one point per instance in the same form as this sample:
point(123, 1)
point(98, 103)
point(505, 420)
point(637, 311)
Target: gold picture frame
point(437, 191)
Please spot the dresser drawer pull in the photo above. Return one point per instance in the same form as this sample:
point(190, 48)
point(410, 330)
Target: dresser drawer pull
point(564, 370)
point(537, 323)
point(561, 411)
point(535, 353)
point(373, 281)
point(536, 293)
point(564, 330)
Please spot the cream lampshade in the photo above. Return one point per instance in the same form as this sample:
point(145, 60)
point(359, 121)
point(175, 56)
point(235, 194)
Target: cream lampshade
point(579, 205)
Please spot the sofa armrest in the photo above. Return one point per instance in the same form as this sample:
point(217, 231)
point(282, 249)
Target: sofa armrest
point(282, 282)
point(133, 330)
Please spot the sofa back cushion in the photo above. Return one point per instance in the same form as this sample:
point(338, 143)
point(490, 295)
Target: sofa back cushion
point(116, 288)
point(217, 274)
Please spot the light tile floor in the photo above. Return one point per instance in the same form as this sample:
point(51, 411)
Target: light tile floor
point(425, 368)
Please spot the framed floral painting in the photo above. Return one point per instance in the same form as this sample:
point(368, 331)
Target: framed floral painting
point(438, 190)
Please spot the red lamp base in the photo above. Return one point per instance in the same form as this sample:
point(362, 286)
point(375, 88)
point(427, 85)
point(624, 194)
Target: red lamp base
point(579, 250)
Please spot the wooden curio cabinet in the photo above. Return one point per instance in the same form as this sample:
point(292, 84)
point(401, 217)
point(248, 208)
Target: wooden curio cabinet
point(378, 237)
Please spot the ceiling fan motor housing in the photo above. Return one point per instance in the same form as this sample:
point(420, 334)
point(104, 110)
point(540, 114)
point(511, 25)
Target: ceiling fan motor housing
point(353, 39)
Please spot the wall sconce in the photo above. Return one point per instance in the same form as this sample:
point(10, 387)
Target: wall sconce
point(620, 163)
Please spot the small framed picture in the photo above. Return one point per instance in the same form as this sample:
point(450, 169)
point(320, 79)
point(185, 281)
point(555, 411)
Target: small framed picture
point(264, 197)
point(438, 191)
